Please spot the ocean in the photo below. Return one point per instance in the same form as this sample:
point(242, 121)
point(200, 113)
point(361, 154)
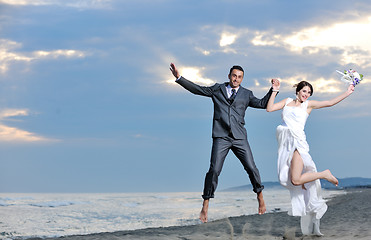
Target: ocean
point(24, 215)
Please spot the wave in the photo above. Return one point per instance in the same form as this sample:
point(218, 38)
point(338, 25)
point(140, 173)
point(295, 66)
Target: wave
point(53, 204)
point(15, 198)
point(4, 204)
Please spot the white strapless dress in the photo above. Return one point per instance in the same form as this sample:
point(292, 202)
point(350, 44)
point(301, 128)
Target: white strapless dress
point(307, 203)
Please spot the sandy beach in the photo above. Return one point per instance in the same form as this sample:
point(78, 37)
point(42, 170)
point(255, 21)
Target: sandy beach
point(348, 217)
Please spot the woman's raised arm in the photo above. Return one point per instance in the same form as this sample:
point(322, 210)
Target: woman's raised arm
point(271, 106)
point(332, 102)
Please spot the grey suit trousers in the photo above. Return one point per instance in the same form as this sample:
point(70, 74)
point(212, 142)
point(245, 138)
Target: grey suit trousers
point(220, 149)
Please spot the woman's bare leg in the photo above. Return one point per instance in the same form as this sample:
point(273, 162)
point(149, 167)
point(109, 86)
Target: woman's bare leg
point(299, 178)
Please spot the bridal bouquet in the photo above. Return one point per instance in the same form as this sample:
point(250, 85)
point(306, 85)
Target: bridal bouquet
point(351, 76)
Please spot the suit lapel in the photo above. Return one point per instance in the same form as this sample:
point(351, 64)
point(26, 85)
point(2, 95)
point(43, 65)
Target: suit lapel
point(239, 94)
point(224, 90)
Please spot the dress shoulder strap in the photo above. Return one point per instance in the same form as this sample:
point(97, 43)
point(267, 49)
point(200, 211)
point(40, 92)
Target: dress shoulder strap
point(288, 100)
point(304, 105)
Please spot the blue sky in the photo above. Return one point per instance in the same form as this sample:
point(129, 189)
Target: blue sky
point(88, 104)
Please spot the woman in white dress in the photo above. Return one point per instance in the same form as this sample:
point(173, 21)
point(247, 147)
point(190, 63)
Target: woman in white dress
point(296, 169)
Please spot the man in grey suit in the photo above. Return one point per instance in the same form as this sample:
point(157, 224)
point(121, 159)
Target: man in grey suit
point(230, 103)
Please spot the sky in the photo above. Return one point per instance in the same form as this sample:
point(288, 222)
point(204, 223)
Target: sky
point(88, 104)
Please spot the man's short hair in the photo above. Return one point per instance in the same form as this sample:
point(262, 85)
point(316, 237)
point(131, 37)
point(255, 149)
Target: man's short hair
point(236, 67)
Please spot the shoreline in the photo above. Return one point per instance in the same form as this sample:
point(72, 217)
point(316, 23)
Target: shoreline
point(346, 218)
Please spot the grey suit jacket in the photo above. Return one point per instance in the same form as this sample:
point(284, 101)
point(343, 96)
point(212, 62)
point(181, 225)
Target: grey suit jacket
point(228, 117)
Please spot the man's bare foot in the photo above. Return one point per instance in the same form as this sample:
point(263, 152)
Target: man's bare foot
point(261, 202)
point(329, 177)
point(203, 213)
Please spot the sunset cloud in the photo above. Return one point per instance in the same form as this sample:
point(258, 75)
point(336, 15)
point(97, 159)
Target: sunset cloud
point(10, 53)
point(195, 74)
point(13, 134)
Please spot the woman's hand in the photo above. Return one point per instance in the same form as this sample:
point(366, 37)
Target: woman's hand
point(275, 84)
point(350, 89)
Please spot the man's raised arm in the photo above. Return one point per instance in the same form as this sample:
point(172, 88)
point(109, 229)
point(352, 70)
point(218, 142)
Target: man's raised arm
point(190, 86)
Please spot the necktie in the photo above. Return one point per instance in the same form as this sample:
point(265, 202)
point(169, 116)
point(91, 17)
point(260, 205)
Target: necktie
point(231, 98)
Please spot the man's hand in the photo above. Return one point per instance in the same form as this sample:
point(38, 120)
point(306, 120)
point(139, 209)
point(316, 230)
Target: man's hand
point(275, 84)
point(174, 71)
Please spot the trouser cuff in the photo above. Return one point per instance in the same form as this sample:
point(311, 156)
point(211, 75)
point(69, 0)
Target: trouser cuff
point(205, 197)
point(259, 189)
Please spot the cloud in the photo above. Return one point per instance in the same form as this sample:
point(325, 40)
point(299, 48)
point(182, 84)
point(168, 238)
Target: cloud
point(12, 113)
point(344, 42)
point(80, 4)
point(12, 134)
point(266, 39)
point(69, 53)
point(320, 85)
point(227, 39)
point(203, 51)
point(9, 55)
point(194, 74)
point(340, 35)
point(220, 39)
point(351, 37)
